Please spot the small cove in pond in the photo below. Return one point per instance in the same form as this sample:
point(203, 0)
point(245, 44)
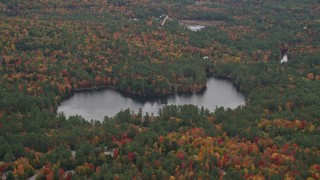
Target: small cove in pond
point(108, 102)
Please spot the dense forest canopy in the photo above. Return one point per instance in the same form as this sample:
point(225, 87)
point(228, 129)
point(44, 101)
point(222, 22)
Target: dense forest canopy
point(49, 49)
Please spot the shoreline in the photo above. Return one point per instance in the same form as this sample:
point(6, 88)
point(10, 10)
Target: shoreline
point(98, 88)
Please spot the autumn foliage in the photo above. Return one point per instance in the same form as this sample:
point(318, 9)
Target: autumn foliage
point(52, 49)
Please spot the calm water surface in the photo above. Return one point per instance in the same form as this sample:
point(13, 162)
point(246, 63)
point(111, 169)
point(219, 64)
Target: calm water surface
point(108, 102)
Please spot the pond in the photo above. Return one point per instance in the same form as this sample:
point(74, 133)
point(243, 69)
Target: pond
point(108, 102)
point(197, 25)
point(195, 28)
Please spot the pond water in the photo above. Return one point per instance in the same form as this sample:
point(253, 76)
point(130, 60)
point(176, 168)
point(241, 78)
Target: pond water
point(108, 102)
point(197, 25)
point(284, 59)
point(195, 28)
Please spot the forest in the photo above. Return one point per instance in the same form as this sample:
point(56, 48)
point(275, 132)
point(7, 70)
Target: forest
point(49, 49)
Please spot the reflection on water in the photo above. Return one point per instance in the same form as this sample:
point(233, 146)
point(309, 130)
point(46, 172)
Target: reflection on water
point(108, 102)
